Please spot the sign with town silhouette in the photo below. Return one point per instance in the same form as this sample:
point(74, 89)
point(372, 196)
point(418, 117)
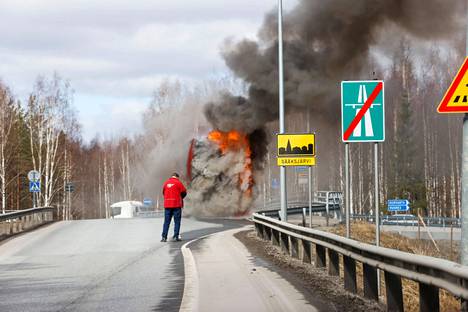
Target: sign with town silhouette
point(296, 149)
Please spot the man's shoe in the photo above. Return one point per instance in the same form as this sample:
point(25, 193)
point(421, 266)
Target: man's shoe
point(177, 239)
point(163, 240)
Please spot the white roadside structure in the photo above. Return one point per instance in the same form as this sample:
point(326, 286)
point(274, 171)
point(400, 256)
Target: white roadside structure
point(127, 209)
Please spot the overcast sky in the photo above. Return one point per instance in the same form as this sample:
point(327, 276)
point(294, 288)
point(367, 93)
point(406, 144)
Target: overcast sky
point(115, 52)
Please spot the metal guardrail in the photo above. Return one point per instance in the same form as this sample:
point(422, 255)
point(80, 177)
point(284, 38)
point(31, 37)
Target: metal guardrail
point(431, 273)
point(296, 208)
point(410, 220)
point(150, 214)
point(324, 202)
point(18, 221)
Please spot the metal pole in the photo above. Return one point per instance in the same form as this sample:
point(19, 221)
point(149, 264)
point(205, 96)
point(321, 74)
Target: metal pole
point(376, 207)
point(376, 182)
point(347, 199)
point(283, 194)
point(464, 202)
point(310, 196)
point(464, 186)
point(69, 206)
point(327, 207)
point(310, 173)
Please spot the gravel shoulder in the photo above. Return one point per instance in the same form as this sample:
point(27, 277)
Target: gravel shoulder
point(315, 284)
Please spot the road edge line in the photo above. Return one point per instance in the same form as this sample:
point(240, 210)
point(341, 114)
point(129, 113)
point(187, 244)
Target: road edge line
point(190, 295)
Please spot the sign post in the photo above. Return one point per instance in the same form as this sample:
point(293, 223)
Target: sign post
point(456, 101)
point(283, 194)
point(363, 120)
point(298, 150)
point(347, 198)
point(309, 173)
point(69, 188)
point(34, 177)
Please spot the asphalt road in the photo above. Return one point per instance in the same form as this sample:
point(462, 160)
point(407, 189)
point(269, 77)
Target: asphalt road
point(230, 278)
point(97, 265)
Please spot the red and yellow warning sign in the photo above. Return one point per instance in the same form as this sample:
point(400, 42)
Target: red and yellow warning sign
point(456, 98)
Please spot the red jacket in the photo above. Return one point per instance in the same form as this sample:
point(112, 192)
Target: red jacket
point(174, 192)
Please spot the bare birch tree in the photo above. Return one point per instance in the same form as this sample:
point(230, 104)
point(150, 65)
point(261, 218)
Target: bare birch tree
point(48, 118)
point(8, 118)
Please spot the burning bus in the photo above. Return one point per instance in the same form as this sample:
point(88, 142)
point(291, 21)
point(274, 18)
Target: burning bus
point(220, 168)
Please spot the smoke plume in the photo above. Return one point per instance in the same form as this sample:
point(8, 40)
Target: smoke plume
point(324, 42)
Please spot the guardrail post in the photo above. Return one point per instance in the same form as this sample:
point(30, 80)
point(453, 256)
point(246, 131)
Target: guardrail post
point(266, 233)
point(464, 306)
point(394, 292)
point(464, 303)
point(428, 298)
point(370, 282)
point(333, 263)
point(320, 256)
point(14, 226)
point(257, 229)
point(349, 274)
point(275, 237)
point(294, 247)
point(284, 243)
point(306, 251)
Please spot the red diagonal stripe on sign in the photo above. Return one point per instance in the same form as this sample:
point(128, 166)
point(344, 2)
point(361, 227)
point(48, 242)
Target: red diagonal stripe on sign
point(363, 110)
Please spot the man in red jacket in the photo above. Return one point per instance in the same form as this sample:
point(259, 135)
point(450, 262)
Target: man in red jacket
point(174, 193)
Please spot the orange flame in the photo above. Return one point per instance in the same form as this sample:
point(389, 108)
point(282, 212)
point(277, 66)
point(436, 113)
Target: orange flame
point(236, 141)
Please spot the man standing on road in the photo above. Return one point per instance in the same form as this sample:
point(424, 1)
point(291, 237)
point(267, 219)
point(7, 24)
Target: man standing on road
point(174, 193)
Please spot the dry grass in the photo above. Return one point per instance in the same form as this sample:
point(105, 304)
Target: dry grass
point(365, 232)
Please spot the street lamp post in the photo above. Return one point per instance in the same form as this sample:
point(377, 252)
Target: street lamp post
point(283, 194)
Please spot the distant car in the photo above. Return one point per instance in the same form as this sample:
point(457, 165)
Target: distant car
point(400, 219)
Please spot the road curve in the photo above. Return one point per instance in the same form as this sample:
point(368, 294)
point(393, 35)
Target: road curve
point(230, 278)
point(97, 265)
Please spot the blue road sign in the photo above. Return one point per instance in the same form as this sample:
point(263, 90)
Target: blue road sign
point(35, 186)
point(275, 183)
point(301, 169)
point(148, 202)
point(398, 205)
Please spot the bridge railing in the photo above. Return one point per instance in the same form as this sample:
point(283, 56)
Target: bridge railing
point(22, 220)
point(431, 273)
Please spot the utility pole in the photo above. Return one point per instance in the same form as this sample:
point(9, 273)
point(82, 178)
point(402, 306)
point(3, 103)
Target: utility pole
point(283, 194)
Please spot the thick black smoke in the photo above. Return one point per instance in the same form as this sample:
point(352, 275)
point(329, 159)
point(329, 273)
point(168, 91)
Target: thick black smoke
point(325, 41)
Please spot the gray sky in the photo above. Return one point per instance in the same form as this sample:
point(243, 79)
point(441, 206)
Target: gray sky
point(115, 52)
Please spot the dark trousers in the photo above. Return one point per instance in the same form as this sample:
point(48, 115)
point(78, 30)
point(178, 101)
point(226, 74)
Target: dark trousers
point(168, 214)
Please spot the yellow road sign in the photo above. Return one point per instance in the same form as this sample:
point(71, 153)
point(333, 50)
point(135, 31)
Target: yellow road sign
point(296, 161)
point(456, 97)
point(290, 145)
point(296, 150)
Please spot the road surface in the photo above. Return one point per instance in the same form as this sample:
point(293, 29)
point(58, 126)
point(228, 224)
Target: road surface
point(97, 265)
point(230, 278)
